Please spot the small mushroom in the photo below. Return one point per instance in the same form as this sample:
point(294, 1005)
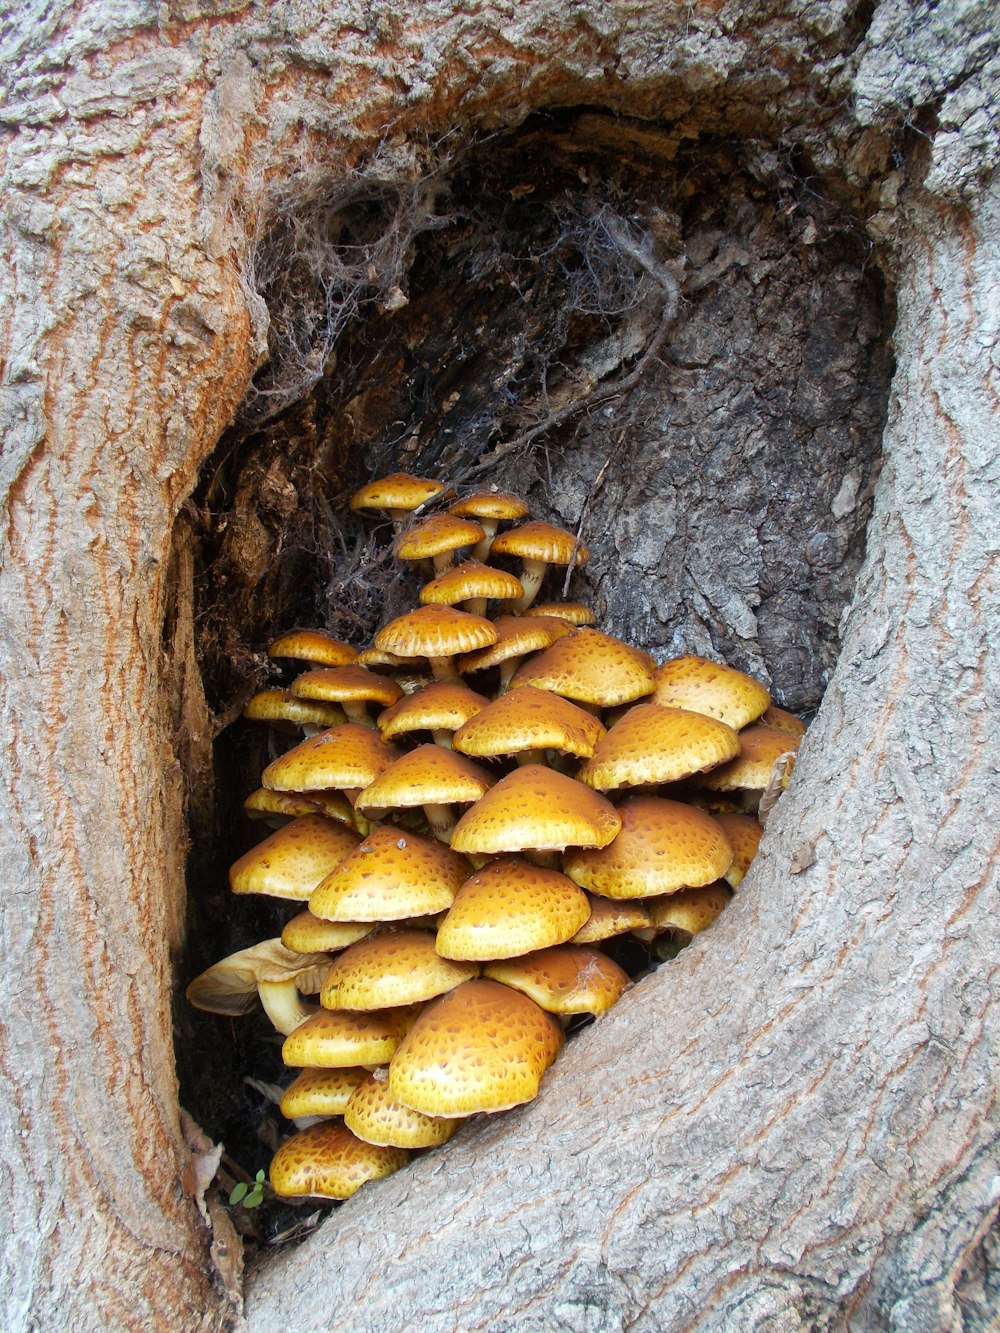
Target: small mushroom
point(267, 971)
point(538, 545)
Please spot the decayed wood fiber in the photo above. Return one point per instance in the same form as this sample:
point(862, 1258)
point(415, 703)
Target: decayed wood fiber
point(801, 1151)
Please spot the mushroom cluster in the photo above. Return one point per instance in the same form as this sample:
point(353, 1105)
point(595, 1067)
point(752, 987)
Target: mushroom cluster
point(480, 810)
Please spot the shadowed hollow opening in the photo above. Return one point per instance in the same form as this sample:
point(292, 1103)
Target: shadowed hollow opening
point(499, 311)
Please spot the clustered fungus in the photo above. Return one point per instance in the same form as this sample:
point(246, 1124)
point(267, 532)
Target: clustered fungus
point(466, 860)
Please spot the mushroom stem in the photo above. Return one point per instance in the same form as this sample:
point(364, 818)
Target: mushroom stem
point(357, 712)
point(524, 757)
point(531, 579)
point(482, 549)
point(548, 860)
point(440, 819)
point(284, 1005)
point(476, 606)
point(442, 737)
point(443, 668)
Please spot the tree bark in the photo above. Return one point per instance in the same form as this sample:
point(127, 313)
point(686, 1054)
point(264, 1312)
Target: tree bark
point(816, 1151)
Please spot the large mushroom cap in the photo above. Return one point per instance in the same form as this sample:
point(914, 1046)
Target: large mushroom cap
point(541, 541)
point(292, 861)
point(590, 667)
point(391, 968)
point(307, 933)
point(441, 706)
point(397, 494)
point(569, 979)
point(511, 907)
point(471, 581)
point(430, 774)
point(663, 846)
point(529, 719)
point(650, 745)
point(436, 536)
point(320, 1092)
point(348, 684)
point(516, 636)
point(312, 645)
point(349, 756)
point(702, 686)
point(435, 631)
point(481, 1048)
point(760, 748)
point(496, 505)
point(537, 809)
point(283, 707)
point(392, 875)
point(610, 917)
point(327, 1161)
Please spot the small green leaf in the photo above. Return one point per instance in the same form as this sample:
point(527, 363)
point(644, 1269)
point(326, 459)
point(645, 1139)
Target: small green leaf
point(259, 1177)
point(255, 1197)
point(238, 1193)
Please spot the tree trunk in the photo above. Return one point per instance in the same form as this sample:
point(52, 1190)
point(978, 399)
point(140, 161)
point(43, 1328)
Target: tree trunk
point(811, 1143)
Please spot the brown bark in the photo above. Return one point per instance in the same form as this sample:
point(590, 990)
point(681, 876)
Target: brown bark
point(812, 1152)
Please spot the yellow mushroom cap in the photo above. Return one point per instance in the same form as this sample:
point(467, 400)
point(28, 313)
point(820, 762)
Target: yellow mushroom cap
point(744, 834)
point(529, 719)
point(541, 541)
point(650, 744)
point(663, 846)
point(590, 667)
point(436, 535)
point(262, 804)
point(511, 907)
point(570, 979)
point(392, 875)
point(435, 631)
point(282, 706)
point(390, 968)
point(496, 505)
point(538, 809)
point(759, 749)
point(441, 706)
point(428, 775)
point(781, 720)
point(481, 1048)
point(691, 911)
point(350, 684)
point(516, 636)
point(307, 933)
point(574, 612)
point(312, 645)
point(702, 686)
point(338, 1039)
point(609, 918)
point(399, 493)
point(348, 756)
point(320, 1092)
point(292, 861)
point(266, 970)
point(374, 1114)
point(328, 1162)
point(469, 580)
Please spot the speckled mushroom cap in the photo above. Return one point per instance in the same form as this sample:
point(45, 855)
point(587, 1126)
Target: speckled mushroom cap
point(374, 1114)
point(702, 686)
point(481, 1048)
point(354, 684)
point(441, 706)
point(262, 804)
point(307, 933)
point(282, 706)
point(574, 612)
point(392, 875)
point(609, 918)
point(751, 769)
point(590, 667)
point(327, 1161)
point(320, 1092)
point(541, 541)
point(781, 720)
point(437, 535)
point(349, 756)
point(312, 645)
point(663, 846)
point(389, 968)
point(690, 911)
point(744, 834)
point(529, 719)
point(469, 580)
point(497, 505)
point(292, 861)
point(650, 744)
point(398, 493)
point(339, 1039)
point(536, 808)
point(516, 636)
point(428, 775)
point(511, 907)
point(435, 631)
point(570, 979)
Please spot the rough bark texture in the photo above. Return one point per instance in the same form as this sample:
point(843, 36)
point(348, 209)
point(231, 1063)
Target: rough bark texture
point(817, 1152)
